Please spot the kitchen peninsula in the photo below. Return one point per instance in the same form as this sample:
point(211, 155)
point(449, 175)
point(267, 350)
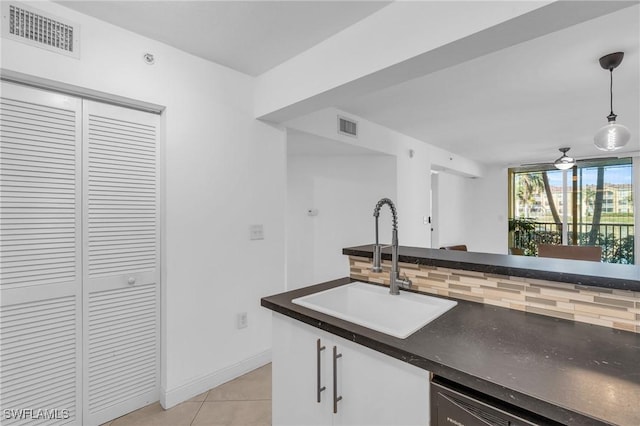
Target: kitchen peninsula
point(535, 351)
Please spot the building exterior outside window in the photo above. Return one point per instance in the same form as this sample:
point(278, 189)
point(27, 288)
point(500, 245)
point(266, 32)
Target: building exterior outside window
point(598, 202)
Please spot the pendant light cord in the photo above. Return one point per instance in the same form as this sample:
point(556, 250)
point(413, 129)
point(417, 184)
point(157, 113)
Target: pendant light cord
point(611, 89)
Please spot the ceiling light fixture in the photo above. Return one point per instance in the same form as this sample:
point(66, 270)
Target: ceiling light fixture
point(613, 136)
point(565, 162)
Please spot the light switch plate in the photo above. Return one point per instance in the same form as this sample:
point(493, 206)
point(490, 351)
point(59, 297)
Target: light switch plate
point(242, 320)
point(256, 232)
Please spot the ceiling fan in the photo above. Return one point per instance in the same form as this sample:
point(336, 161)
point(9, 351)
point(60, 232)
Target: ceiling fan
point(565, 162)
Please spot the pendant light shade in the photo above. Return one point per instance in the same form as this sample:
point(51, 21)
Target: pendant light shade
point(565, 162)
point(613, 136)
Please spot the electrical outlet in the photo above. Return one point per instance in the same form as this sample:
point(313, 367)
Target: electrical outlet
point(256, 232)
point(243, 321)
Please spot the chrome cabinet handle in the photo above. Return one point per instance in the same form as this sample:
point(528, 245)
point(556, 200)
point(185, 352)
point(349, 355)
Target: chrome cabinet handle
point(336, 398)
point(319, 348)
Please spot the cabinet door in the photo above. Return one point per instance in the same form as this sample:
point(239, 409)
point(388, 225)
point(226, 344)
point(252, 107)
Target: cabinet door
point(295, 374)
point(379, 390)
point(40, 270)
point(121, 256)
point(375, 389)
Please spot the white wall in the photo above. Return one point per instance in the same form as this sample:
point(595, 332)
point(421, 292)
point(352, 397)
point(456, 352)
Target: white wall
point(471, 211)
point(450, 210)
point(487, 217)
point(223, 171)
point(344, 190)
point(413, 174)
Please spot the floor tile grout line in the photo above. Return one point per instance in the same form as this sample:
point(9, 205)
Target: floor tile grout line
point(197, 412)
point(110, 423)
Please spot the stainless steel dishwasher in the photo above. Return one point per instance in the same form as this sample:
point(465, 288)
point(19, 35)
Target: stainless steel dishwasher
point(455, 405)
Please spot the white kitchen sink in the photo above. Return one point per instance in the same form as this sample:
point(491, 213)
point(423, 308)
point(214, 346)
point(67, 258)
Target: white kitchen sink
point(373, 307)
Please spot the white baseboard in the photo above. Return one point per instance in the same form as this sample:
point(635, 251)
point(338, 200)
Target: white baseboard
point(172, 397)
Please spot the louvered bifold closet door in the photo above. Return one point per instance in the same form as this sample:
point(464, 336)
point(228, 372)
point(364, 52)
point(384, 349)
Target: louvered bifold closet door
point(40, 255)
point(121, 260)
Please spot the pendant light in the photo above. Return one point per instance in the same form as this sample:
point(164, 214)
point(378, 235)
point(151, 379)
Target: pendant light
point(565, 162)
point(613, 136)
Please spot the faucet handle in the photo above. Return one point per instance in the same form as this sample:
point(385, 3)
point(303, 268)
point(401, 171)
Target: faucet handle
point(406, 282)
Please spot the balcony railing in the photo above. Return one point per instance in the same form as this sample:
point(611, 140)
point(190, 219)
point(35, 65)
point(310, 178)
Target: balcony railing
point(616, 239)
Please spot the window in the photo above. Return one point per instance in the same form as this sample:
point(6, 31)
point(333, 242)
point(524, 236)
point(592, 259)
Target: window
point(593, 204)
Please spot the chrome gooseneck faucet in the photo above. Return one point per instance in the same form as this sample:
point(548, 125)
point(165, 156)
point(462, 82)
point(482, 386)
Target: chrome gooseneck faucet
point(395, 283)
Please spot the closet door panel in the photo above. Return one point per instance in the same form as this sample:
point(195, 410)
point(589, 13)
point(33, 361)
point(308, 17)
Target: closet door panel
point(121, 258)
point(40, 361)
point(40, 256)
point(39, 188)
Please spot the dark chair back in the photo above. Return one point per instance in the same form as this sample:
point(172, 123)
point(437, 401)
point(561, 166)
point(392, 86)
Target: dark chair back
point(592, 253)
point(459, 247)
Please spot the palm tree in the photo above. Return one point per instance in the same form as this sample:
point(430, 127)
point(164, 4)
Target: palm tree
point(550, 200)
point(529, 184)
point(597, 207)
point(589, 198)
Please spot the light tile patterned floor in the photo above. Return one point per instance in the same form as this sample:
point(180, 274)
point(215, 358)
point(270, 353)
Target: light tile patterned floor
point(245, 401)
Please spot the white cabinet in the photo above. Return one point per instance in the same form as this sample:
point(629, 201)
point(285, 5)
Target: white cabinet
point(295, 374)
point(375, 389)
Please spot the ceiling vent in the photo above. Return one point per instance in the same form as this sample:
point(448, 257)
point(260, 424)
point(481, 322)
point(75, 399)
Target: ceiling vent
point(347, 127)
point(34, 27)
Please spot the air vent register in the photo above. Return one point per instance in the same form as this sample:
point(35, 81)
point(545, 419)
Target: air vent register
point(347, 127)
point(34, 27)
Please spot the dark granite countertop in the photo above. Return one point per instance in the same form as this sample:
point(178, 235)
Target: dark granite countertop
point(594, 274)
point(572, 373)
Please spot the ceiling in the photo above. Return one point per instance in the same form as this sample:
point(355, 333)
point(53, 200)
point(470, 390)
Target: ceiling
point(247, 36)
point(522, 103)
point(517, 105)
